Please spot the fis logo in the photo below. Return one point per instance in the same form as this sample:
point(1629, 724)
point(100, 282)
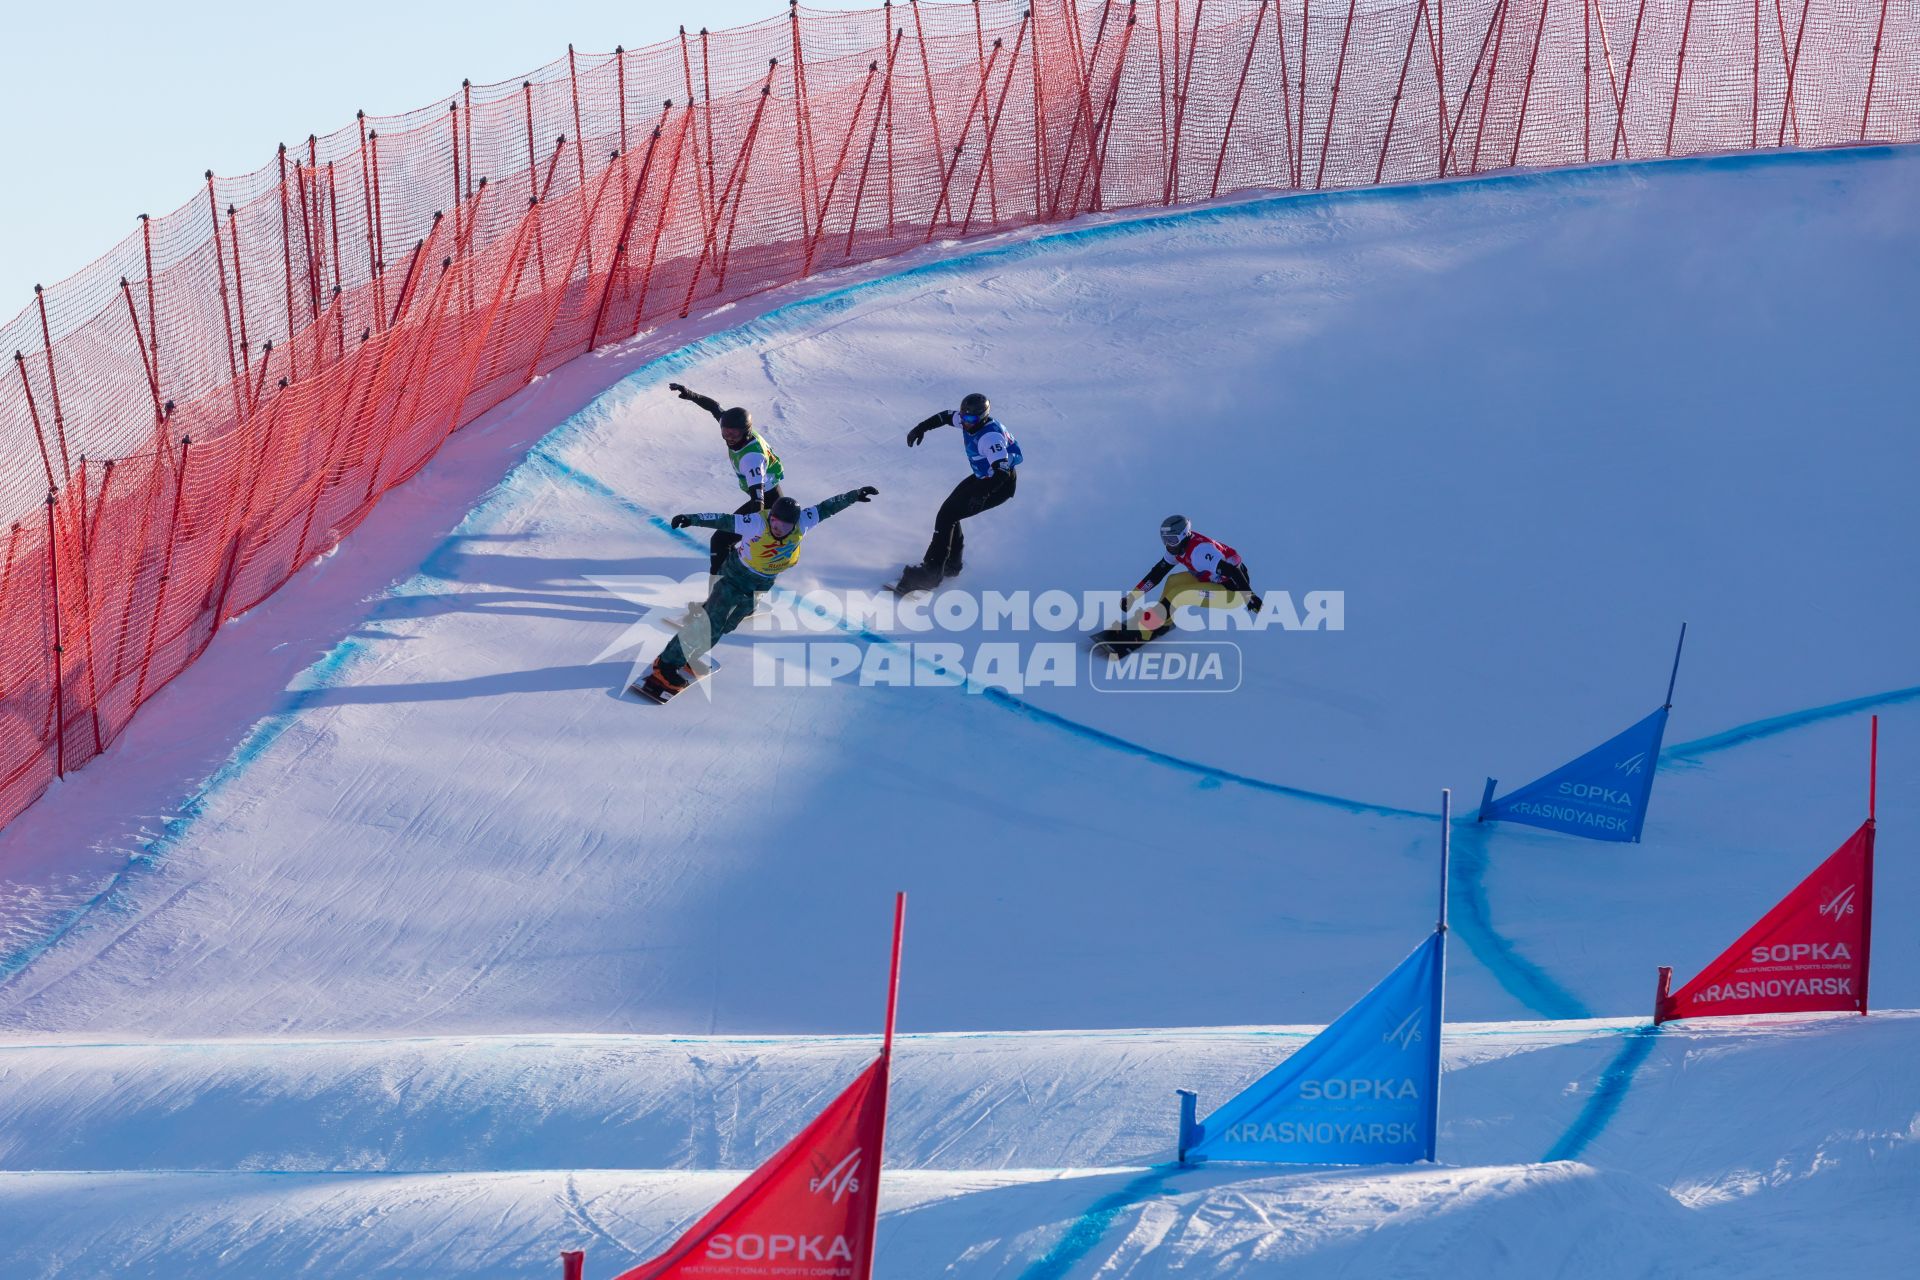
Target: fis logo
point(1406, 1033)
point(1632, 765)
point(1840, 905)
point(839, 1180)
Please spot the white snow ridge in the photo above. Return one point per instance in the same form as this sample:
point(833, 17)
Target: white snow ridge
point(390, 941)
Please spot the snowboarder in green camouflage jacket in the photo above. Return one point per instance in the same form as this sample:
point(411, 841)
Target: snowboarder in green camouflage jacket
point(765, 544)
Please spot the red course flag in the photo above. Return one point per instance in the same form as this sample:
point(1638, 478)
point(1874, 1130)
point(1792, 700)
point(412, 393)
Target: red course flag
point(810, 1211)
point(1807, 955)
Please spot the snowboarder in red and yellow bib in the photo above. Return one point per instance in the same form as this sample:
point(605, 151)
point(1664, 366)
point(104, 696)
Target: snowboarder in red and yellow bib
point(1194, 571)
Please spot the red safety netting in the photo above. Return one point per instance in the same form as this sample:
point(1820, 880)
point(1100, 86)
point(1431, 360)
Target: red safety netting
point(230, 390)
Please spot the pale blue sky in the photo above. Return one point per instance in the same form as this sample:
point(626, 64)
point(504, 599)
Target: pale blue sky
point(115, 108)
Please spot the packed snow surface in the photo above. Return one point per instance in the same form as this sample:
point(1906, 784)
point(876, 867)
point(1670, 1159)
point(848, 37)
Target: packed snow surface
point(391, 908)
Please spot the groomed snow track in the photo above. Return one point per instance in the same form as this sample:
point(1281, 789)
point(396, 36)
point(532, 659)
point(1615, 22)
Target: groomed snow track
point(464, 910)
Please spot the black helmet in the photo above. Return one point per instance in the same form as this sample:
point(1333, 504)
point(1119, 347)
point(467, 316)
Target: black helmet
point(973, 409)
point(736, 420)
point(1174, 531)
point(785, 509)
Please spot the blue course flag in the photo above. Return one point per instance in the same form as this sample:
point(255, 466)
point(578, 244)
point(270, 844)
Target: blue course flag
point(1364, 1091)
point(1602, 795)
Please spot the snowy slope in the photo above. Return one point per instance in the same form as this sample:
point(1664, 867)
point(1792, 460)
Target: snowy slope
point(377, 870)
point(1012, 1155)
point(1456, 404)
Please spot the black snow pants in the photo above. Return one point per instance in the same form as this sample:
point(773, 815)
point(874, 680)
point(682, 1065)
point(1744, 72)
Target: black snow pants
point(944, 553)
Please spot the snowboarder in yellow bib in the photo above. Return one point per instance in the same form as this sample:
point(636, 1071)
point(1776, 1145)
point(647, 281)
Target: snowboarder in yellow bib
point(765, 545)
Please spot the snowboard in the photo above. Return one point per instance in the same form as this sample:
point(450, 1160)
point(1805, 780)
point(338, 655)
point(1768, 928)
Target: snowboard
point(902, 588)
point(1118, 642)
point(655, 690)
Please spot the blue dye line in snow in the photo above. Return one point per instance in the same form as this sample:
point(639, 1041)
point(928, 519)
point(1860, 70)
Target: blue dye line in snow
point(321, 675)
point(153, 850)
point(998, 696)
point(1472, 922)
point(1083, 1236)
point(1211, 773)
point(1772, 725)
point(1615, 1080)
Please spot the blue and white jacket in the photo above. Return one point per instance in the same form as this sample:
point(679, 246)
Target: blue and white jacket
point(990, 443)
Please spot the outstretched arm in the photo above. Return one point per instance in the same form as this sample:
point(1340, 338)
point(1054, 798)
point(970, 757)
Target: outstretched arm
point(707, 520)
point(939, 419)
point(839, 502)
point(708, 403)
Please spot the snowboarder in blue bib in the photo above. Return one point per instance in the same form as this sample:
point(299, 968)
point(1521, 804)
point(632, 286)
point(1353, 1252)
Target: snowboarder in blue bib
point(756, 467)
point(992, 456)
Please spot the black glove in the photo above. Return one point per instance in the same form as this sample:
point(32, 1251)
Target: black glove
point(1253, 604)
point(681, 522)
point(754, 503)
point(864, 493)
point(915, 436)
point(680, 391)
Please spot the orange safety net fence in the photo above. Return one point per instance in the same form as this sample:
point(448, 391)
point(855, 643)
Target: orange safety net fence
point(228, 392)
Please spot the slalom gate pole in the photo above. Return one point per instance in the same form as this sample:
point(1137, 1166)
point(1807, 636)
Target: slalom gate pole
point(1440, 1009)
point(893, 977)
point(1675, 676)
point(886, 1052)
point(1866, 887)
point(1873, 769)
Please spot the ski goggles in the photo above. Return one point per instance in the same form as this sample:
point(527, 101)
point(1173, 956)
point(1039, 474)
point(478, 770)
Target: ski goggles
point(972, 421)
